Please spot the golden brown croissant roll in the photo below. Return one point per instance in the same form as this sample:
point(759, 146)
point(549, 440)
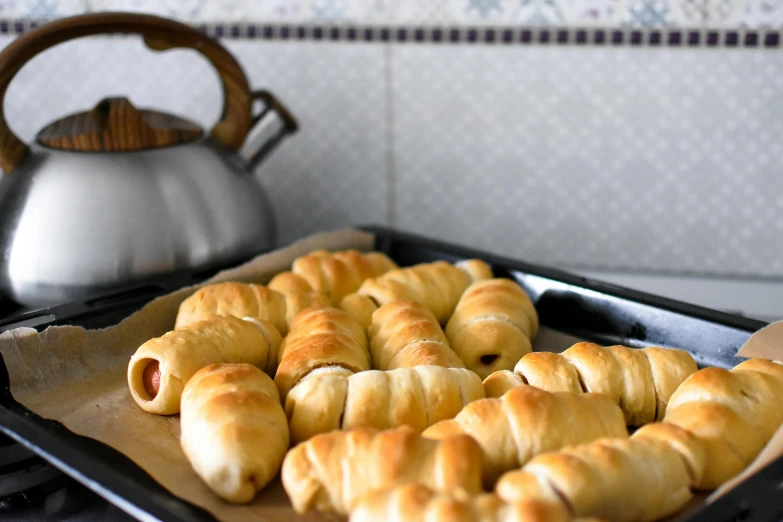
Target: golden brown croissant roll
point(640, 381)
point(290, 283)
point(438, 286)
point(237, 299)
point(637, 479)
point(161, 367)
point(477, 269)
point(733, 413)
point(248, 300)
point(321, 337)
point(330, 471)
point(492, 326)
point(527, 421)
point(335, 274)
point(234, 431)
point(295, 303)
point(360, 307)
point(334, 398)
point(418, 503)
point(404, 334)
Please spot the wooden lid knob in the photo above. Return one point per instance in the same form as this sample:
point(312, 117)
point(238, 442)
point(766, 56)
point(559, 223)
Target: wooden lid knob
point(115, 125)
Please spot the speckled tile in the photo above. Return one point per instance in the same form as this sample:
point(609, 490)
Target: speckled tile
point(664, 160)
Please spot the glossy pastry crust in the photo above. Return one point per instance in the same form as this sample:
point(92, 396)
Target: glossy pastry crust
point(438, 286)
point(236, 299)
point(334, 398)
point(492, 326)
point(734, 413)
point(234, 431)
point(181, 353)
point(640, 381)
point(404, 334)
point(418, 503)
point(331, 471)
point(321, 337)
point(528, 421)
point(335, 274)
point(638, 479)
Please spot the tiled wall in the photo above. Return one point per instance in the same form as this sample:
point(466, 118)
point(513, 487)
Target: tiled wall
point(639, 158)
point(645, 13)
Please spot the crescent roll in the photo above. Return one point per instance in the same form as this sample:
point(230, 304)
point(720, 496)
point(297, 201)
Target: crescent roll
point(248, 300)
point(335, 274)
point(438, 286)
point(639, 479)
point(418, 503)
point(404, 334)
point(360, 307)
point(234, 431)
point(527, 421)
point(492, 326)
point(640, 381)
point(337, 399)
point(161, 367)
point(321, 337)
point(331, 471)
point(237, 299)
point(733, 413)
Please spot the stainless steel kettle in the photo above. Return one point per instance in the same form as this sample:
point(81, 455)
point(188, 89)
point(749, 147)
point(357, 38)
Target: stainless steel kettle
point(118, 193)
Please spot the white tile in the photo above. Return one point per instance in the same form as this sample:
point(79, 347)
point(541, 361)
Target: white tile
point(631, 158)
point(332, 173)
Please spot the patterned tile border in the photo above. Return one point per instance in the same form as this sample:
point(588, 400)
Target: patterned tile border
point(654, 37)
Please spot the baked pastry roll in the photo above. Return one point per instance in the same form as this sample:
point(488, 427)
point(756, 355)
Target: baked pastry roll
point(321, 337)
point(638, 479)
point(527, 421)
point(438, 286)
point(404, 334)
point(161, 367)
point(418, 503)
point(640, 381)
point(733, 413)
point(335, 274)
point(492, 326)
point(237, 299)
point(360, 307)
point(334, 398)
point(234, 431)
point(248, 300)
point(331, 471)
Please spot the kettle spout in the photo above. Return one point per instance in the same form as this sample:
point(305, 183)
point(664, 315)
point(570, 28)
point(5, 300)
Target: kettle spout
point(269, 128)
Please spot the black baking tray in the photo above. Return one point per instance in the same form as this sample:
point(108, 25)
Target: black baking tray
point(574, 305)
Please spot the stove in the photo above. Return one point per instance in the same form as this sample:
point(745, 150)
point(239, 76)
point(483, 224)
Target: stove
point(32, 490)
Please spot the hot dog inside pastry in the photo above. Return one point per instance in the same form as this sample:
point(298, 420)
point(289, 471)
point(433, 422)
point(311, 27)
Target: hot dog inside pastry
point(247, 300)
point(335, 274)
point(438, 286)
point(640, 381)
point(334, 398)
point(492, 326)
point(527, 421)
point(331, 471)
point(234, 431)
point(161, 367)
point(404, 334)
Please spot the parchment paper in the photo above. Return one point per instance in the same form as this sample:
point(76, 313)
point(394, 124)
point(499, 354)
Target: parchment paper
point(78, 377)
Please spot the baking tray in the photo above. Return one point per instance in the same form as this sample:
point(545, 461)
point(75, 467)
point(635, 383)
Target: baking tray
point(574, 305)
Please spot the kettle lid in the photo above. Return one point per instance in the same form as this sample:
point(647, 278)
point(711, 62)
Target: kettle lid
point(115, 125)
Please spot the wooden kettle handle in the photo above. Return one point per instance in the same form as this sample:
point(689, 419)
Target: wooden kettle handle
point(159, 34)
